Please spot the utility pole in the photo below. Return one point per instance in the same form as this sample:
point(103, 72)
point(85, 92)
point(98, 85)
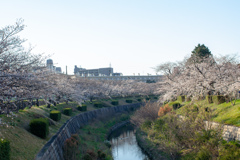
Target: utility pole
point(66, 70)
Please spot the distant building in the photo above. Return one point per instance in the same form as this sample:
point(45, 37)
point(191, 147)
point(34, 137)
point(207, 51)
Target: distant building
point(147, 78)
point(58, 69)
point(50, 64)
point(94, 72)
point(51, 67)
point(107, 74)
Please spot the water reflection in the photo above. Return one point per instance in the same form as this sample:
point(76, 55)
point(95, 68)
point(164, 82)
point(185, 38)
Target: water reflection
point(124, 145)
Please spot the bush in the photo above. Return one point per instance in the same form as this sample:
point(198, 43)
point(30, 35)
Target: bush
point(114, 102)
point(181, 99)
point(55, 115)
point(70, 147)
point(67, 111)
point(139, 99)
point(147, 98)
point(39, 127)
point(48, 105)
point(164, 110)
point(146, 125)
point(4, 149)
point(218, 99)
point(230, 150)
point(155, 97)
point(82, 108)
point(209, 99)
point(203, 154)
point(129, 100)
point(176, 105)
point(98, 104)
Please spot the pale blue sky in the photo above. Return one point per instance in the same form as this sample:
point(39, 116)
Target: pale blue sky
point(132, 35)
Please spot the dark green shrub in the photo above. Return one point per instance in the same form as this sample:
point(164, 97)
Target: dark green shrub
point(55, 115)
point(98, 104)
point(79, 108)
point(114, 102)
point(147, 98)
point(39, 127)
point(83, 107)
point(129, 100)
point(176, 105)
point(4, 149)
point(209, 99)
point(195, 108)
point(48, 105)
point(139, 99)
point(155, 97)
point(67, 111)
point(181, 99)
point(218, 99)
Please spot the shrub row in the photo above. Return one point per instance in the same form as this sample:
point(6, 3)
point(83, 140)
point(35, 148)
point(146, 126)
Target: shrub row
point(55, 115)
point(139, 99)
point(115, 102)
point(67, 111)
point(217, 99)
point(98, 104)
point(83, 107)
point(39, 127)
point(129, 100)
point(176, 105)
point(4, 149)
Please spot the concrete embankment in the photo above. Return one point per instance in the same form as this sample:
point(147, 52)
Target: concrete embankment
point(53, 149)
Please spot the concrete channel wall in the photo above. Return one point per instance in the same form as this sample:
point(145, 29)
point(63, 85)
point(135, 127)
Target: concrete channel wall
point(53, 149)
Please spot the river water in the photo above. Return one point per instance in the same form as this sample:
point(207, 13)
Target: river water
point(124, 145)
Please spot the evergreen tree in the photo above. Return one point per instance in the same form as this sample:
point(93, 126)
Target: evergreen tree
point(199, 53)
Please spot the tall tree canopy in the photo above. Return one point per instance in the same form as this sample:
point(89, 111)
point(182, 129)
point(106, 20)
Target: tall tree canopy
point(199, 53)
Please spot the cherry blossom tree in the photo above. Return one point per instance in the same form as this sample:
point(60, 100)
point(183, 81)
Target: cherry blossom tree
point(212, 76)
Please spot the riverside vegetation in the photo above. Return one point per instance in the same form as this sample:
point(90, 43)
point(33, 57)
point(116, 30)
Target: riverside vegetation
point(187, 138)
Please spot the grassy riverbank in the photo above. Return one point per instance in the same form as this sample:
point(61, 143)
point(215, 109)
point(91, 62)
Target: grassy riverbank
point(187, 139)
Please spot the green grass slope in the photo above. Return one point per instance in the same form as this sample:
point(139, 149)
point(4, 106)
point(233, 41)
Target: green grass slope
point(225, 113)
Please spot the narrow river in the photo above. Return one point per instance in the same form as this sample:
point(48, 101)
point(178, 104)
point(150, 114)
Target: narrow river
point(124, 145)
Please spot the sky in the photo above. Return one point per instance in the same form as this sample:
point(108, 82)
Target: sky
point(132, 36)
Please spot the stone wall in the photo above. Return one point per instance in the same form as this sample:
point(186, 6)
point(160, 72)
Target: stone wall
point(53, 149)
point(229, 132)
